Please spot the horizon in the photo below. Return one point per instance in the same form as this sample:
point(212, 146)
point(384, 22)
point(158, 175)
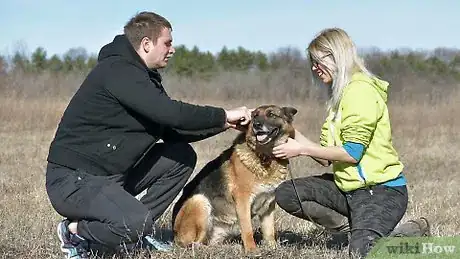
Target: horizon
point(401, 25)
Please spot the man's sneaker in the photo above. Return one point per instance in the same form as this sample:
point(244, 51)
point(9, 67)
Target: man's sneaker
point(158, 245)
point(71, 244)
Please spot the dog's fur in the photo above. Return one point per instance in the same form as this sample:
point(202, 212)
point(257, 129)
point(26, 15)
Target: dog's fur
point(237, 186)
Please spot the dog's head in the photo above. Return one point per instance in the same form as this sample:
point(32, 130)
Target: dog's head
point(270, 125)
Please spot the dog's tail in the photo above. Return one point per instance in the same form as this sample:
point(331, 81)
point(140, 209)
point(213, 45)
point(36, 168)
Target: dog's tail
point(193, 221)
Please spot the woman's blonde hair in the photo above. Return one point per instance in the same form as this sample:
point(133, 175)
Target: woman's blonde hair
point(335, 52)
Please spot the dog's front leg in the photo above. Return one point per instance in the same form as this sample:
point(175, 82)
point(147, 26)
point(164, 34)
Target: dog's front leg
point(268, 226)
point(243, 211)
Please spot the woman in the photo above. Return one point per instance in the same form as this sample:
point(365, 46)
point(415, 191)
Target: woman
point(367, 191)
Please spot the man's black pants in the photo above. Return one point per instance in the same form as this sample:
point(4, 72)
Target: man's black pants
point(106, 208)
point(371, 213)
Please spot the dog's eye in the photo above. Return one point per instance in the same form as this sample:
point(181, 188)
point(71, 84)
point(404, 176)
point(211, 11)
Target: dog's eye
point(271, 114)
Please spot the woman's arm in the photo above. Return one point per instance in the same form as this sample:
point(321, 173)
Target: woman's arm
point(327, 153)
point(305, 141)
point(301, 145)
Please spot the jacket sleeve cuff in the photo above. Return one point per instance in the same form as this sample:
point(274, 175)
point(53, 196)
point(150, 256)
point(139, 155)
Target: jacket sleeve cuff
point(355, 150)
point(220, 117)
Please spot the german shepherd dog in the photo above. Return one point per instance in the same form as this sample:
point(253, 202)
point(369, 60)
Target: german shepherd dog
point(238, 186)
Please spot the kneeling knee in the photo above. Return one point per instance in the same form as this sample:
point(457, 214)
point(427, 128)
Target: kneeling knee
point(285, 198)
point(285, 188)
point(186, 154)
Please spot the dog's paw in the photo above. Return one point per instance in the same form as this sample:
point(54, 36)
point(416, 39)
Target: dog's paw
point(195, 245)
point(253, 253)
point(271, 244)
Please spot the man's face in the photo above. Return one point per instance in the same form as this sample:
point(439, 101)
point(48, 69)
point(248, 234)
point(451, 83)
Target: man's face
point(157, 54)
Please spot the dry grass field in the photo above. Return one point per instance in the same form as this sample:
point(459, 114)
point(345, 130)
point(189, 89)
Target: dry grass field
point(425, 134)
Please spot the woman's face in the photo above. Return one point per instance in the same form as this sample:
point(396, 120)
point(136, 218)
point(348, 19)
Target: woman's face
point(321, 71)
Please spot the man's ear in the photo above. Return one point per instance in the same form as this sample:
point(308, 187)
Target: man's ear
point(289, 112)
point(145, 44)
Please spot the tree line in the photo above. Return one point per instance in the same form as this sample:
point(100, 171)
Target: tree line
point(438, 64)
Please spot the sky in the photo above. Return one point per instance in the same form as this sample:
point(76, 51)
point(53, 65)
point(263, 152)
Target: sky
point(265, 25)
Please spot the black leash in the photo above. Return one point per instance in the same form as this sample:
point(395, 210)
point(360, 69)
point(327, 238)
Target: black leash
point(300, 201)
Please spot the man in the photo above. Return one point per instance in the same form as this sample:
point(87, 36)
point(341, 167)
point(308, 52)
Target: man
point(106, 150)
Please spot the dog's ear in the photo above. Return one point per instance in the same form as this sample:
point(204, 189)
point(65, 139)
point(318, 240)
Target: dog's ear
point(289, 112)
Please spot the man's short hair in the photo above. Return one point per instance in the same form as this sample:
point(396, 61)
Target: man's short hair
point(145, 24)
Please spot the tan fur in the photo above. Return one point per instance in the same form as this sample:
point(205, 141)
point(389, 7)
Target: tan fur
point(247, 181)
point(194, 218)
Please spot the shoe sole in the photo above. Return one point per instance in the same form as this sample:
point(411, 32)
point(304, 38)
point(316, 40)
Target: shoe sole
point(159, 246)
point(59, 233)
point(427, 231)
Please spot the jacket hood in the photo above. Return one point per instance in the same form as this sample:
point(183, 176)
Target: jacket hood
point(380, 85)
point(121, 47)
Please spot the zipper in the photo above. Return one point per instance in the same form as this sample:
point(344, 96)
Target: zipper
point(361, 174)
point(145, 152)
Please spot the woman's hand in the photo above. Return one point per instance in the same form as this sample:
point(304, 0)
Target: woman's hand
point(291, 148)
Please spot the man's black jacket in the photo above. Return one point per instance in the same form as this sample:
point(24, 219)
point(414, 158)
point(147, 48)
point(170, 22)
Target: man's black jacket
point(120, 111)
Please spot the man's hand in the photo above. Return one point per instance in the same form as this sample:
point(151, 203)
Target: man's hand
point(291, 148)
point(238, 117)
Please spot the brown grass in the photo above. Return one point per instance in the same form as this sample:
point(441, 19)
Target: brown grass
point(425, 134)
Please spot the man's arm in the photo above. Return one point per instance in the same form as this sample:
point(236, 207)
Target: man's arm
point(132, 88)
point(175, 135)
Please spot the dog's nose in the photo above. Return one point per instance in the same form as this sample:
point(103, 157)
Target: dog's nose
point(257, 124)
